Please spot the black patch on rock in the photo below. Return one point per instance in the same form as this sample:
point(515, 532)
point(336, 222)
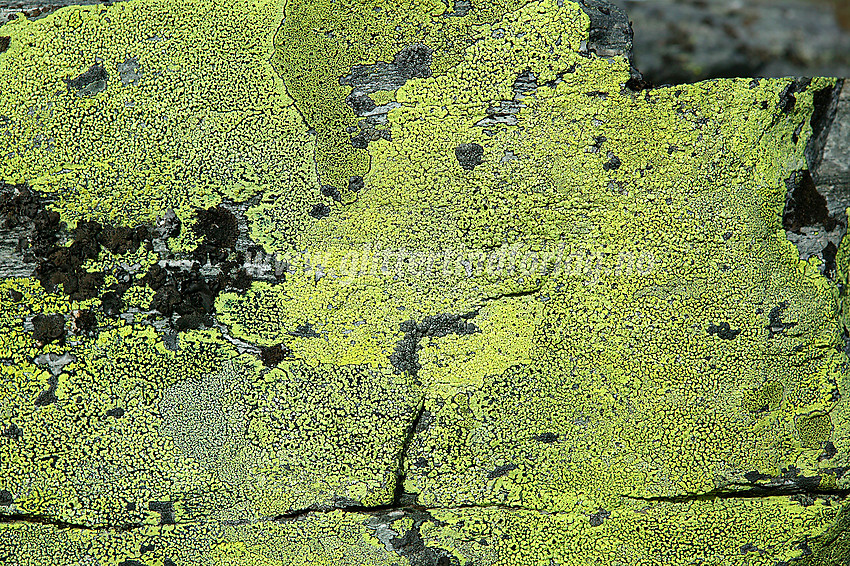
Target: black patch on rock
point(13, 431)
point(18, 205)
point(830, 268)
point(116, 412)
point(755, 475)
point(48, 396)
point(165, 510)
point(829, 451)
point(111, 303)
point(92, 81)
point(414, 61)
point(5, 498)
point(405, 358)
point(788, 98)
point(5, 41)
point(723, 331)
point(146, 548)
point(596, 519)
point(219, 230)
point(120, 240)
point(775, 324)
point(131, 562)
point(613, 163)
point(15, 295)
point(750, 547)
point(320, 210)
point(193, 321)
point(469, 155)
point(356, 183)
point(546, 437)
point(273, 355)
point(804, 205)
point(48, 328)
point(638, 84)
point(84, 322)
point(332, 192)
point(500, 471)
point(305, 331)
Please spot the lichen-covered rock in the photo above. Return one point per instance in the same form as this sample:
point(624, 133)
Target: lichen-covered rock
point(323, 283)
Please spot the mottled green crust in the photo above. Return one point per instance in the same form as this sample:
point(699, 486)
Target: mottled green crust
point(595, 345)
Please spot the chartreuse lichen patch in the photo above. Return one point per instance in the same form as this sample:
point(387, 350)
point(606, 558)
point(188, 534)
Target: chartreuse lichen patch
point(524, 314)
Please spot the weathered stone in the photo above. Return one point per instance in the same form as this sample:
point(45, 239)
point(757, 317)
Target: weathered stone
point(543, 314)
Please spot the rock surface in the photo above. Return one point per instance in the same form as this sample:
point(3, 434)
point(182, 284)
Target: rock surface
point(424, 285)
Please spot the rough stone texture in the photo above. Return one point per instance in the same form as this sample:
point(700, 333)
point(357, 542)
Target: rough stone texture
point(551, 317)
point(689, 40)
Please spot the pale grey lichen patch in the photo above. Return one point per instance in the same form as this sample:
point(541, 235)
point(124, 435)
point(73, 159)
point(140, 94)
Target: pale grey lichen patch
point(129, 71)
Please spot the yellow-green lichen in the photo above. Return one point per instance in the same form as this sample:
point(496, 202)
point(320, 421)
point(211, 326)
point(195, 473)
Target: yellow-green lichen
point(639, 340)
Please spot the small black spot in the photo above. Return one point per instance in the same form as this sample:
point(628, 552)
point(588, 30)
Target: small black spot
point(421, 463)
point(116, 412)
point(320, 210)
point(727, 236)
point(273, 355)
point(131, 563)
point(5, 41)
point(15, 295)
point(723, 331)
point(829, 451)
point(146, 548)
point(469, 155)
point(500, 471)
point(5, 498)
point(13, 431)
point(168, 562)
point(48, 328)
point(90, 82)
point(48, 396)
point(749, 547)
point(795, 136)
point(355, 183)
point(332, 192)
point(546, 437)
point(613, 163)
point(775, 323)
point(131, 506)
point(165, 510)
point(599, 517)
